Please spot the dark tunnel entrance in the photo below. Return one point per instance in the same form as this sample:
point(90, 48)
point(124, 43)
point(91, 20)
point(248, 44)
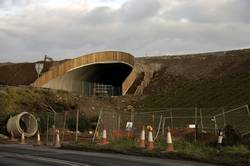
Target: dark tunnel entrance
point(104, 79)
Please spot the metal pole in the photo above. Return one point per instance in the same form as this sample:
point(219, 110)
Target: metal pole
point(132, 115)
point(215, 125)
point(171, 118)
point(47, 132)
point(163, 125)
point(232, 110)
point(113, 121)
point(201, 119)
point(248, 110)
point(153, 120)
point(54, 128)
point(224, 117)
point(119, 122)
point(97, 125)
point(159, 127)
point(64, 125)
point(196, 132)
point(195, 114)
point(77, 120)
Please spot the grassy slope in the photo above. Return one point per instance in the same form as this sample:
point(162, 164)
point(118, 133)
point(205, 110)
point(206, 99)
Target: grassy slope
point(213, 82)
point(14, 100)
point(231, 90)
point(227, 92)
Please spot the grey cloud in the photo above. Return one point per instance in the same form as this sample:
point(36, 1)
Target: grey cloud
point(100, 15)
point(135, 10)
point(6, 4)
point(137, 27)
point(196, 11)
point(238, 10)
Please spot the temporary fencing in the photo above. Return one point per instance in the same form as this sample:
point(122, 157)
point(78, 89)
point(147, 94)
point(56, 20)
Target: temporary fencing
point(70, 125)
point(206, 119)
point(73, 125)
point(238, 117)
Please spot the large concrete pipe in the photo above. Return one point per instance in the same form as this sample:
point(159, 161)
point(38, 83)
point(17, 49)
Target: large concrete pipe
point(22, 123)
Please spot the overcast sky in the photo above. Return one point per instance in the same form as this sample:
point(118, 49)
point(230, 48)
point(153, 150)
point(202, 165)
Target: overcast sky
point(70, 28)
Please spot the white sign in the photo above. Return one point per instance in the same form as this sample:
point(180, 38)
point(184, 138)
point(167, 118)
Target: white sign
point(39, 68)
point(129, 126)
point(191, 126)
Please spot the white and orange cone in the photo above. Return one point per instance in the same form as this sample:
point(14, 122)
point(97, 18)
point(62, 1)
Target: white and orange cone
point(142, 139)
point(38, 139)
point(220, 138)
point(12, 136)
point(57, 144)
point(104, 137)
point(22, 139)
point(170, 147)
point(150, 138)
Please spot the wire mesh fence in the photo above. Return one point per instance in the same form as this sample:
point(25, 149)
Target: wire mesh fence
point(238, 117)
point(71, 125)
point(207, 120)
point(74, 126)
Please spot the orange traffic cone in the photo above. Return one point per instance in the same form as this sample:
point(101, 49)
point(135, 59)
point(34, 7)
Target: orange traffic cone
point(170, 147)
point(142, 139)
point(150, 138)
point(22, 139)
point(104, 137)
point(57, 144)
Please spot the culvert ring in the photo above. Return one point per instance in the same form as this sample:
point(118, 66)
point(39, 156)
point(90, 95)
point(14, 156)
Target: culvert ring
point(23, 123)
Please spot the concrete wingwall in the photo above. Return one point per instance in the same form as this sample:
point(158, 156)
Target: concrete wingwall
point(67, 76)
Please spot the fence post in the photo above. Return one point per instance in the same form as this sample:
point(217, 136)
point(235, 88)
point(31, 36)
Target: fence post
point(64, 125)
point(77, 120)
point(119, 122)
point(159, 127)
point(133, 115)
point(113, 122)
point(195, 115)
point(163, 126)
point(97, 125)
point(196, 133)
point(201, 119)
point(54, 128)
point(171, 118)
point(224, 117)
point(153, 120)
point(47, 132)
point(215, 125)
point(248, 110)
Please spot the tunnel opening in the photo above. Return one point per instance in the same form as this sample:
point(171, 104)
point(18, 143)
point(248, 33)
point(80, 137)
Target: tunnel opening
point(104, 79)
point(101, 79)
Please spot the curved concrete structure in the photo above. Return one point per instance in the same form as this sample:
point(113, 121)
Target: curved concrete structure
point(22, 123)
point(108, 72)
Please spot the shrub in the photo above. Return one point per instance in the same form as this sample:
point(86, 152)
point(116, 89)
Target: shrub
point(232, 137)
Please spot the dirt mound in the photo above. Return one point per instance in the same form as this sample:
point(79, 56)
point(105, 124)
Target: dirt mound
point(178, 69)
point(168, 71)
point(20, 73)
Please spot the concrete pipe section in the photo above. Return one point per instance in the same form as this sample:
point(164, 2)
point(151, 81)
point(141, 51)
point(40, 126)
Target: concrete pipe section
point(22, 123)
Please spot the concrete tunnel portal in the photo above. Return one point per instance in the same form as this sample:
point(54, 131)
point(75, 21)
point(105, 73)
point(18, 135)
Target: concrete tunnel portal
point(106, 73)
